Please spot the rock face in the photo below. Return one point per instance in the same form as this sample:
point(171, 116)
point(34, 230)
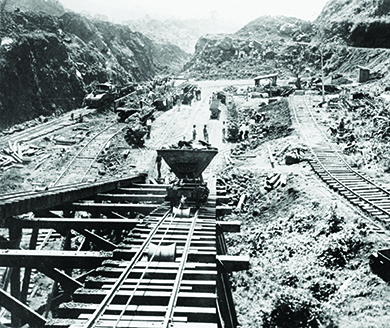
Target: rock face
point(46, 61)
point(357, 23)
point(240, 55)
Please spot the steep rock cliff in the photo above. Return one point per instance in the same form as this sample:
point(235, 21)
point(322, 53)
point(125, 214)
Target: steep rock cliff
point(46, 61)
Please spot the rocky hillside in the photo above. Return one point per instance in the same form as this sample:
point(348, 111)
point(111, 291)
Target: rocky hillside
point(268, 28)
point(182, 33)
point(265, 44)
point(52, 7)
point(358, 23)
point(46, 61)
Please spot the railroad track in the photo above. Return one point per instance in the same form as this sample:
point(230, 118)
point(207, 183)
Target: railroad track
point(42, 129)
point(329, 164)
point(163, 276)
point(82, 161)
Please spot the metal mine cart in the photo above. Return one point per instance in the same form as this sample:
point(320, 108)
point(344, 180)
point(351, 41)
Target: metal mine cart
point(188, 166)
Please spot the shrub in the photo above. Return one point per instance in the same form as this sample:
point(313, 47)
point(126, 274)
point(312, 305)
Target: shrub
point(295, 308)
point(339, 248)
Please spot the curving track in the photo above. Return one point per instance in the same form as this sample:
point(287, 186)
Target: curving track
point(81, 163)
point(328, 163)
point(43, 129)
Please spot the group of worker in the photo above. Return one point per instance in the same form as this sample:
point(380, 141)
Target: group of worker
point(205, 133)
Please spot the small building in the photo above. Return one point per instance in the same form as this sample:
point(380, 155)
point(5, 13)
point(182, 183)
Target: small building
point(272, 77)
point(364, 74)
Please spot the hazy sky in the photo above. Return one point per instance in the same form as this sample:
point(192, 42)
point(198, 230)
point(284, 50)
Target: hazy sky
point(238, 11)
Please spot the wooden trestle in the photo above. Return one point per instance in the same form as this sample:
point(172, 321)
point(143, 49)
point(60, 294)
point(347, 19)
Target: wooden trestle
point(125, 282)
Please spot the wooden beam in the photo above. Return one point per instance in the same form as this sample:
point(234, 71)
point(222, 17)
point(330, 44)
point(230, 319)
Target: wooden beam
point(56, 259)
point(68, 283)
point(15, 236)
point(223, 210)
point(143, 191)
point(27, 271)
point(16, 307)
point(131, 198)
point(234, 263)
point(144, 185)
point(97, 240)
point(32, 201)
point(109, 207)
point(65, 223)
point(229, 226)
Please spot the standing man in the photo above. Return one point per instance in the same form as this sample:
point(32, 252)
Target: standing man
point(158, 163)
point(205, 134)
point(194, 133)
point(149, 126)
point(223, 132)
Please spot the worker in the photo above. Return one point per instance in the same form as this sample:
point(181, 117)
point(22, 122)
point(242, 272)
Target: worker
point(194, 132)
point(246, 130)
point(158, 163)
point(205, 134)
point(342, 125)
point(252, 123)
point(198, 94)
point(241, 132)
point(223, 132)
point(149, 126)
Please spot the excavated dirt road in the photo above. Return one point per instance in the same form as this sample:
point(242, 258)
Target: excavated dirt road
point(173, 125)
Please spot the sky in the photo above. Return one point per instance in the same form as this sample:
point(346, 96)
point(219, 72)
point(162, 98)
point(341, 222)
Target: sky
point(237, 11)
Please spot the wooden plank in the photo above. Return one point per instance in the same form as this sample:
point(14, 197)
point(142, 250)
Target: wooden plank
point(16, 307)
point(230, 226)
point(65, 223)
point(193, 256)
point(145, 297)
point(97, 240)
point(223, 210)
point(68, 283)
point(234, 263)
point(134, 308)
point(160, 274)
point(130, 198)
point(109, 207)
point(79, 323)
point(57, 259)
point(144, 191)
point(31, 201)
point(152, 186)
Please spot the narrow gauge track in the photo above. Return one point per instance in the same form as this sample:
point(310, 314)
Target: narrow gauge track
point(139, 288)
point(331, 167)
point(82, 161)
point(43, 129)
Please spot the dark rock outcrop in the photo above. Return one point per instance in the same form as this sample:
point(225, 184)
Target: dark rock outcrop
point(46, 61)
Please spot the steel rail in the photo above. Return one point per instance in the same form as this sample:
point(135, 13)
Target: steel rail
point(100, 150)
point(341, 157)
point(119, 282)
point(329, 173)
point(144, 273)
point(38, 130)
point(79, 152)
point(179, 276)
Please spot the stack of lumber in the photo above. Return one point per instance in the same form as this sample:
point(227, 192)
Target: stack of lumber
point(16, 155)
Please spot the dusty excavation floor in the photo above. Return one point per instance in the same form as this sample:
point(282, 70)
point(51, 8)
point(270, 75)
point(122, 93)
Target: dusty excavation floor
point(309, 249)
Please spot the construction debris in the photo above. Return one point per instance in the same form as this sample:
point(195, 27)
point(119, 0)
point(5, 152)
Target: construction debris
point(275, 180)
point(17, 154)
